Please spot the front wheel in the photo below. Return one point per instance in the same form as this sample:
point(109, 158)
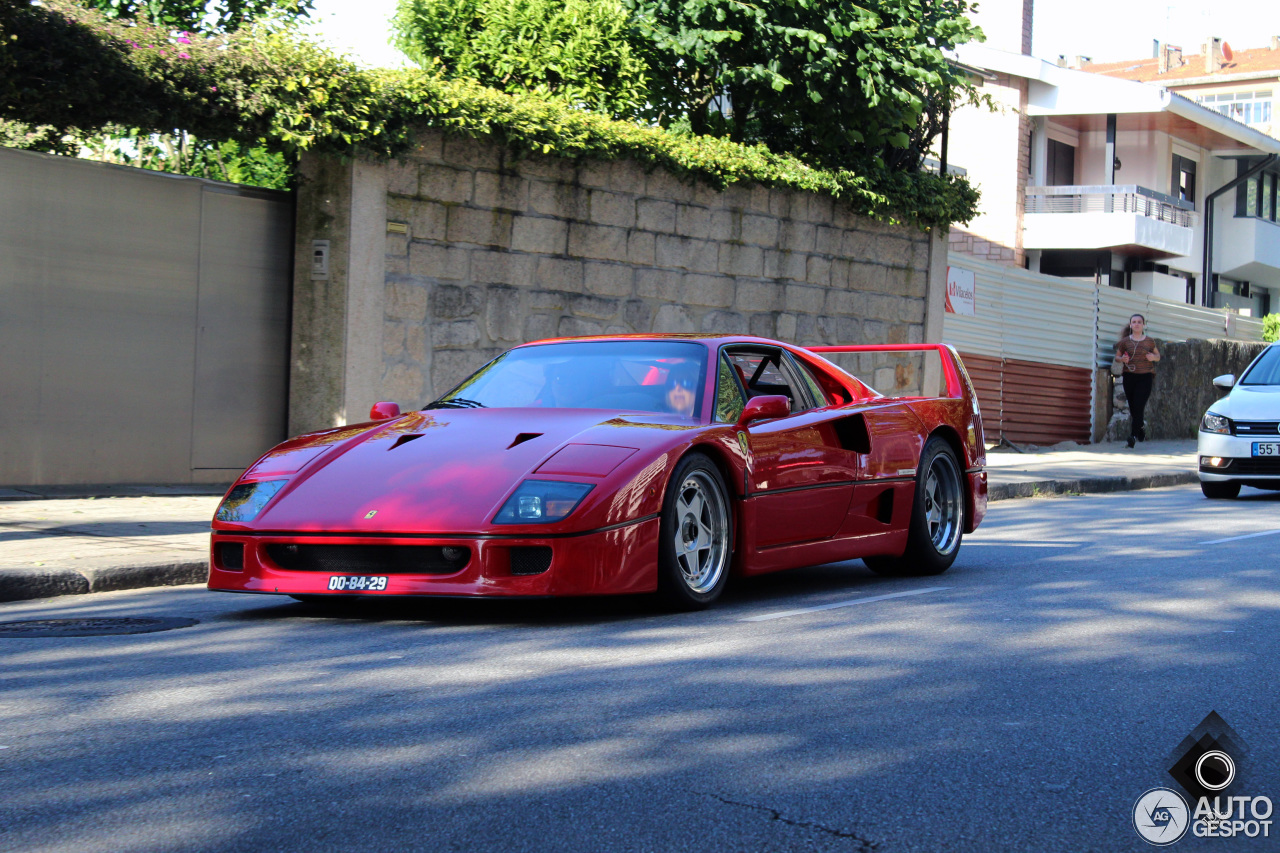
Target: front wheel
point(1220, 491)
point(937, 517)
point(695, 538)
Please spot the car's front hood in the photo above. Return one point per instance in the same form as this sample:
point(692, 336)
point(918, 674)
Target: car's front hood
point(438, 471)
point(1250, 403)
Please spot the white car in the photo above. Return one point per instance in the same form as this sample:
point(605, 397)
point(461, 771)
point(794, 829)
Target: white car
point(1239, 441)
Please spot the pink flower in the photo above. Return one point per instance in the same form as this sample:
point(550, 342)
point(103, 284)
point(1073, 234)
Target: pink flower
point(182, 38)
point(185, 55)
point(213, 88)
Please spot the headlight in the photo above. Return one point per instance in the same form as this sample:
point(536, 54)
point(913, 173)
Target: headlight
point(541, 502)
point(247, 500)
point(1215, 423)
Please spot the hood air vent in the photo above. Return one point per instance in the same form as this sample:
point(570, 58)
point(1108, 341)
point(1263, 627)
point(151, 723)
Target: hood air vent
point(405, 439)
point(522, 438)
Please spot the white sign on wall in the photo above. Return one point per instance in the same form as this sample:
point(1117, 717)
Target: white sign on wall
point(961, 292)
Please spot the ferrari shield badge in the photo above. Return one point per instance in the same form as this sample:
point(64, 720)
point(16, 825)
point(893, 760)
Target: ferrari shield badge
point(371, 513)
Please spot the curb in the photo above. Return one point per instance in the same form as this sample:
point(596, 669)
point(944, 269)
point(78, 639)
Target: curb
point(25, 584)
point(1089, 485)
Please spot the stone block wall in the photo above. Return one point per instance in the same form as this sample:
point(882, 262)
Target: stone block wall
point(479, 251)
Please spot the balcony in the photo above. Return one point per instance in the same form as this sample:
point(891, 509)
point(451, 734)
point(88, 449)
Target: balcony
point(1248, 249)
point(1129, 219)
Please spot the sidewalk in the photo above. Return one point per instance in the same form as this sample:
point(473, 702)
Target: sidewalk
point(66, 540)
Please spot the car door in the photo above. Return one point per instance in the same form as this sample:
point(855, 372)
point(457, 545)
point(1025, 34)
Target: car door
point(800, 474)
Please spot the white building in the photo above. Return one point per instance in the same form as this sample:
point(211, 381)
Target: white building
point(1118, 182)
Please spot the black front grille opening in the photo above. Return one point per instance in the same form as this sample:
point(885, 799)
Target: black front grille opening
point(371, 559)
point(1250, 466)
point(530, 559)
point(229, 556)
point(1257, 428)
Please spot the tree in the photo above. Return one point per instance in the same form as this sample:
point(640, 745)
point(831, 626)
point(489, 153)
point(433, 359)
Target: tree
point(578, 51)
point(1271, 328)
point(202, 16)
point(865, 87)
point(78, 127)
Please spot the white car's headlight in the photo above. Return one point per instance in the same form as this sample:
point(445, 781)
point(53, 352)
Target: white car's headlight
point(1215, 423)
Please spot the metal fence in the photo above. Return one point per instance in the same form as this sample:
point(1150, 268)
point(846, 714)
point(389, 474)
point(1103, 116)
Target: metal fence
point(144, 323)
point(1111, 199)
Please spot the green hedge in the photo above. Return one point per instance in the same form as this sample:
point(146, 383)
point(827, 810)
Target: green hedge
point(68, 68)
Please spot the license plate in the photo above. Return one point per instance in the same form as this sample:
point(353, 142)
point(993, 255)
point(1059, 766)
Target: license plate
point(357, 583)
point(1266, 448)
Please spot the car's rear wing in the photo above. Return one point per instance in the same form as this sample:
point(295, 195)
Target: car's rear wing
point(956, 377)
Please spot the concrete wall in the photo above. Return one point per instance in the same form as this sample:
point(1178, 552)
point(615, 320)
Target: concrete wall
point(1183, 387)
point(443, 260)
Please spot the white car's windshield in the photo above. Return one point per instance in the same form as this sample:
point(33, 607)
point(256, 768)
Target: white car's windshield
point(1266, 370)
point(644, 376)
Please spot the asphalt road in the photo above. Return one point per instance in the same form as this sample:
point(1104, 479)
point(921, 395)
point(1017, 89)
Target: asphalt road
point(1022, 701)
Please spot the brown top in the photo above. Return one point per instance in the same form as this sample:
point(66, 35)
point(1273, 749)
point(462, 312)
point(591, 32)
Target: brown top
point(1137, 351)
point(1262, 62)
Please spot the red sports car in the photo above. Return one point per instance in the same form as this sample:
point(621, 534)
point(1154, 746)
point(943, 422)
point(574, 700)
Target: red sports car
point(622, 464)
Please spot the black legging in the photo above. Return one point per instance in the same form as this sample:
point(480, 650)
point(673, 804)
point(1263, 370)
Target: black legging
point(1137, 390)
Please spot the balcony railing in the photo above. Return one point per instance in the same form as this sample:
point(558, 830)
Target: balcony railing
point(1111, 199)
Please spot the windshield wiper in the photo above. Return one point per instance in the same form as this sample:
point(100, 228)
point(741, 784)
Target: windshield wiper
point(455, 403)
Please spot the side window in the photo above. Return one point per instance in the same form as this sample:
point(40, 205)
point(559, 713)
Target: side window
point(729, 400)
point(806, 375)
point(762, 374)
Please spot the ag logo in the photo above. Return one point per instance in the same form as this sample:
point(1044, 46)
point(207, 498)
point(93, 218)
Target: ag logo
point(1161, 816)
point(371, 513)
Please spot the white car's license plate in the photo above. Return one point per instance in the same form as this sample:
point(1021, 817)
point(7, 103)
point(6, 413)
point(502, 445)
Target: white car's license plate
point(358, 583)
point(1266, 448)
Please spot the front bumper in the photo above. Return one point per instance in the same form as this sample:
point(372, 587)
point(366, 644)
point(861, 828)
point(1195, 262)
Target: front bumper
point(614, 561)
point(1239, 465)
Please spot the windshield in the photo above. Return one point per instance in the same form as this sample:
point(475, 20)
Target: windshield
point(638, 376)
point(1266, 370)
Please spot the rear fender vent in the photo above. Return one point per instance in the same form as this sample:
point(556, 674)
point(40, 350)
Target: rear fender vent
point(530, 559)
point(853, 435)
point(522, 438)
point(370, 559)
point(884, 506)
point(229, 556)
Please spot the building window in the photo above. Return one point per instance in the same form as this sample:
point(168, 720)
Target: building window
point(1248, 107)
point(1256, 197)
point(1184, 179)
point(1061, 167)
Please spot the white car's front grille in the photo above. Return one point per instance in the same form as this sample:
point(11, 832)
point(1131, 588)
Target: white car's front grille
point(1257, 427)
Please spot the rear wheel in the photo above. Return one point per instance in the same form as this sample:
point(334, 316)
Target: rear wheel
point(1220, 491)
point(695, 539)
point(937, 517)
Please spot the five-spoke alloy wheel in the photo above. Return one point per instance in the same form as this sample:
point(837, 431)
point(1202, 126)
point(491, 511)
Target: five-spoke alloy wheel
point(937, 516)
point(696, 538)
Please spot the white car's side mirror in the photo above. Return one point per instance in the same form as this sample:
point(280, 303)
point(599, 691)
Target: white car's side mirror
point(1226, 380)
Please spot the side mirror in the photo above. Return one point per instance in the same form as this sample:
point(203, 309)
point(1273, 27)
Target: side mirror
point(1226, 381)
point(763, 408)
point(384, 411)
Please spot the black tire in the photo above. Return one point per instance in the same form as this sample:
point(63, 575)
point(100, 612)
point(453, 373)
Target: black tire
point(695, 536)
point(1220, 491)
point(937, 517)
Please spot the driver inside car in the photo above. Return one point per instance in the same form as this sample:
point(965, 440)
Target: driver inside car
point(682, 389)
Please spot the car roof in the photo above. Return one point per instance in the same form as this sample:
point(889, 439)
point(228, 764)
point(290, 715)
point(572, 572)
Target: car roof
point(709, 339)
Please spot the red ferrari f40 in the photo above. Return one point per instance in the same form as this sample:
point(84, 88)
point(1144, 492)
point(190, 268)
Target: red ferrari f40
point(624, 464)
